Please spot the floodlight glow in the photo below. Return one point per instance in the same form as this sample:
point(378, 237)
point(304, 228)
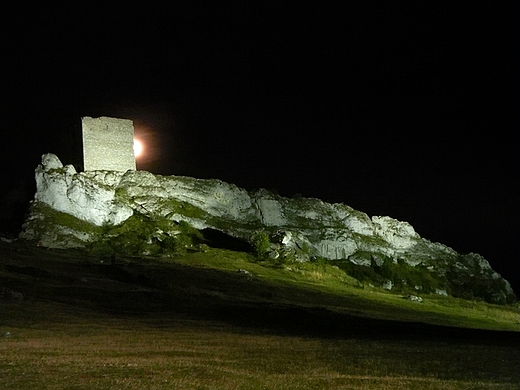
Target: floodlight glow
point(138, 148)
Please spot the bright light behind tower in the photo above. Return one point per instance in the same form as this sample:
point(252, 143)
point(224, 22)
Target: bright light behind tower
point(138, 148)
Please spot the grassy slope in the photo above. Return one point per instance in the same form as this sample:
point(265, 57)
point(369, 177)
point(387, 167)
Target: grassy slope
point(194, 321)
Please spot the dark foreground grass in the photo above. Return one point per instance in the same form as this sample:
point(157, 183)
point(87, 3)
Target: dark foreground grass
point(54, 346)
point(150, 324)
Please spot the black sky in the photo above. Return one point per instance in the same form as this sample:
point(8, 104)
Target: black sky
point(407, 109)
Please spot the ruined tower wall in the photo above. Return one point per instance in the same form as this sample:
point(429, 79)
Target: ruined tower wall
point(108, 144)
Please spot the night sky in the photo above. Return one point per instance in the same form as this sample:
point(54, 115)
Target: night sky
point(407, 109)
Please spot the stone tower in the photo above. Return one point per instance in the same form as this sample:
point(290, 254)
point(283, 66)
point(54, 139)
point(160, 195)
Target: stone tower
point(108, 144)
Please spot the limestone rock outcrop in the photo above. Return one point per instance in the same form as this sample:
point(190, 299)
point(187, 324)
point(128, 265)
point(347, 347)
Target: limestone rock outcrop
point(303, 228)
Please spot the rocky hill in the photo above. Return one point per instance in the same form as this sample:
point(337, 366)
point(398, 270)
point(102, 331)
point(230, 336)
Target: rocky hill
point(136, 212)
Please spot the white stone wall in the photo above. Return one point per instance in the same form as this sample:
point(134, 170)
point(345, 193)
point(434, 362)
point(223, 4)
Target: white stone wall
point(108, 144)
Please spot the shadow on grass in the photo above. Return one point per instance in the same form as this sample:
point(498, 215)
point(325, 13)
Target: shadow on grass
point(143, 287)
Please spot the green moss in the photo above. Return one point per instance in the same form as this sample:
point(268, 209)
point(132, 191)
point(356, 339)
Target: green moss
point(143, 235)
point(64, 228)
point(404, 278)
point(184, 208)
point(52, 217)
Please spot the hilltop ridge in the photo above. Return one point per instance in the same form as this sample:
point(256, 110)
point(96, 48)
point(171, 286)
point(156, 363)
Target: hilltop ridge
point(87, 209)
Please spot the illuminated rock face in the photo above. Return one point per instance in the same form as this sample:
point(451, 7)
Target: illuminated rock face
point(69, 192)
point(305, 228)
point(332, 231)
point(108, 144)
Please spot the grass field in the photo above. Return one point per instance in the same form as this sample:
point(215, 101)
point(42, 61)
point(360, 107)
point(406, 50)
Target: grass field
point(195, 322)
